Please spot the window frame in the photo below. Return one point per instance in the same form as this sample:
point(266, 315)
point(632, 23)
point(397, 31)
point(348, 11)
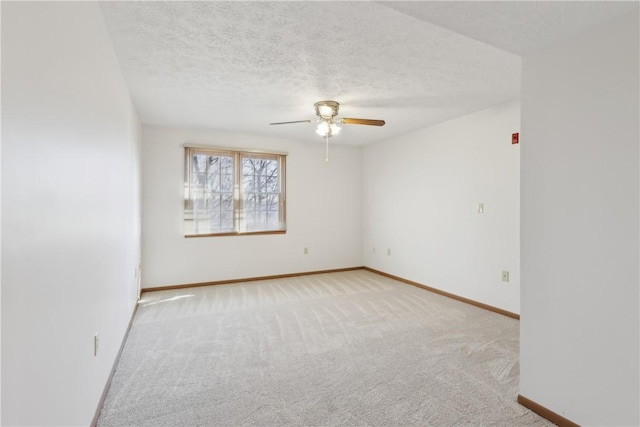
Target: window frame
point(238, 213)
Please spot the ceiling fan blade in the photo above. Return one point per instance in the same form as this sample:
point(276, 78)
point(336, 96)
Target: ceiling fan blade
point(369, 122)
point(295, 121)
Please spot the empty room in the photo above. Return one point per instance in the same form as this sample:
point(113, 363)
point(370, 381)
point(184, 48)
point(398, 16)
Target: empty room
point(220, 213)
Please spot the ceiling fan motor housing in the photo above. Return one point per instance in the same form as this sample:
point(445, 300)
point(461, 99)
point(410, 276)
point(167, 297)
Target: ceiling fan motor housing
point(327, 109)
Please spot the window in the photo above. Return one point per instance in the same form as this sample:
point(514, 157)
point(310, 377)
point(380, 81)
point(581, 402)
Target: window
point(230, 192)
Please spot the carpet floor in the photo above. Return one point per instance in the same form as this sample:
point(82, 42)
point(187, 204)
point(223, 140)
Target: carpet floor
point(336, 349)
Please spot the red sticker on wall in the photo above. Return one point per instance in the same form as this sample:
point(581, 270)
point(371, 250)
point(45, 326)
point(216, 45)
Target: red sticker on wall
point(515, 138)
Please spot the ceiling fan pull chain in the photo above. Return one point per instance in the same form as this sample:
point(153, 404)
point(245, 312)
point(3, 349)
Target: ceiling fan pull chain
point(326, 156)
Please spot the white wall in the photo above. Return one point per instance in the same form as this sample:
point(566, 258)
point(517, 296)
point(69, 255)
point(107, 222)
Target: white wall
point(580, 224)
point(70, 211)
point(421, 193)
point(0, 231)
point(324, 207)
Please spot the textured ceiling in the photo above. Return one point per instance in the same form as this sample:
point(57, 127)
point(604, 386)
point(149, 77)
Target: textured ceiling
point(518, 27)
point(238, 66)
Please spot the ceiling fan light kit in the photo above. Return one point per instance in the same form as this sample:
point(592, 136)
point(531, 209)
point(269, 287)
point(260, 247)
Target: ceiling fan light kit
point(327, 128)
point(326, 111)
point(328, 124)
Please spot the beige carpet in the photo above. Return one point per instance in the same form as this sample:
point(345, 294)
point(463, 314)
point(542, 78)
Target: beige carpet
point(343, 349)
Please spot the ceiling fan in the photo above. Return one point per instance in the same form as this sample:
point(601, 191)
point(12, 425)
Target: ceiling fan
point(327, 122)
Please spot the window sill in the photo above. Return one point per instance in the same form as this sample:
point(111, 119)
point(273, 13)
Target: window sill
point(246, 233)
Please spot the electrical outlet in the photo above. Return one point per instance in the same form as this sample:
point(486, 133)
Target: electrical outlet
point(306, 251)
point(96, 344)
point(505, 276)
point(480, 208)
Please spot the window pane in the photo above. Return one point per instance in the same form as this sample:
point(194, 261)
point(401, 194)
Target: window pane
point(211, 194)
point(260, 192)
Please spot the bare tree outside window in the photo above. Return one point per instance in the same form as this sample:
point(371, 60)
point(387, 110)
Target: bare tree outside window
point(261, 195)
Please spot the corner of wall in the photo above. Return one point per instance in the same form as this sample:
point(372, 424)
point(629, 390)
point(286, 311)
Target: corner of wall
point(421, 194)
